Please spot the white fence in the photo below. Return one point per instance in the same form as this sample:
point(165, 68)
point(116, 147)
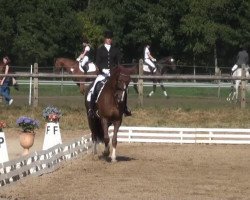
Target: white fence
point(41, 162)
point(46, 161)
point(183, 135)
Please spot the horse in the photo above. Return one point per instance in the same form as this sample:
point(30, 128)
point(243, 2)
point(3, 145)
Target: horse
point(234, 92)
point(162, 67)
point(72, 67)
point(110, 105)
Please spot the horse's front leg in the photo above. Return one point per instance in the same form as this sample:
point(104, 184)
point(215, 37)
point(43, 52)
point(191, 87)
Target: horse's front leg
point(106, 151)
point(114, 140)
point(82, 88)
point(154, 88)
point(163, 88)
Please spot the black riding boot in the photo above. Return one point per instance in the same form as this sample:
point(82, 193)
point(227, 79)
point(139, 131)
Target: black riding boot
point(91, 111)
point(127, 111)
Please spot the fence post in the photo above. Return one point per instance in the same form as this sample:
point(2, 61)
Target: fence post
point(243, 88)
point(35, 99)
point(140, 84)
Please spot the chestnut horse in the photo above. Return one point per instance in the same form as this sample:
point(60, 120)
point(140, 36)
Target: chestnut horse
point(72, 67)
point(110, 105)
point(162, 67)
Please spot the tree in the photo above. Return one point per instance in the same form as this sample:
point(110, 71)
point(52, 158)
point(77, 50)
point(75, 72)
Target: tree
point(210, 23)
point(40, 30)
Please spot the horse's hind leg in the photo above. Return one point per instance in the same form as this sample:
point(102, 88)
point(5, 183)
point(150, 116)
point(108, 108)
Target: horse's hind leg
point(154, 89)
point(82, 88)
point(163, 89)
point(106, 151)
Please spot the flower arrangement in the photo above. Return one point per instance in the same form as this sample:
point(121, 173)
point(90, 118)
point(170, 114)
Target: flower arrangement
point(2, 125)
point(52, 114)
point(27, 124)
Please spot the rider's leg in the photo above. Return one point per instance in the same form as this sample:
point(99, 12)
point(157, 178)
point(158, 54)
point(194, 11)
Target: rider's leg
point(100, 77)
point(151, 65)
point(91, 98)
point(83, 63)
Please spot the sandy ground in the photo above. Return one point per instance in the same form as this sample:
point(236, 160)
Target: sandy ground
point(143, 171)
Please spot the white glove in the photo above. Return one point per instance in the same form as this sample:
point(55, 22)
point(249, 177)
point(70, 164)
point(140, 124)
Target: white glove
point(154, 60)
point(78, 59)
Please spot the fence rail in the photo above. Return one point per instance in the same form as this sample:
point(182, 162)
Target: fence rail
point(41, 162)
point(163, 77)
point(183, 135)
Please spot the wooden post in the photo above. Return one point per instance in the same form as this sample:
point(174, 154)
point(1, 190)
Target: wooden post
point(35, 99)
point(243, 88)
point(140, 84)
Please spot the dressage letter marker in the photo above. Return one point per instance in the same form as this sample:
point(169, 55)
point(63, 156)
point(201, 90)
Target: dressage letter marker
point(52, 135)
point(3, 149)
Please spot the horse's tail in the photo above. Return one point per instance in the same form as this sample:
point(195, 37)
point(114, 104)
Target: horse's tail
point(94, 123)
point(96, 129)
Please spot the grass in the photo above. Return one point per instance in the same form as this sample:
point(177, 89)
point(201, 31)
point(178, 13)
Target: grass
point(186, 107)
point(74, 117)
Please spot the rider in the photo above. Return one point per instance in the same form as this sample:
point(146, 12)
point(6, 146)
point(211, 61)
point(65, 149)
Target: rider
point(107, 57)
point(148, 58)
point(242, 58)
point(84, 56)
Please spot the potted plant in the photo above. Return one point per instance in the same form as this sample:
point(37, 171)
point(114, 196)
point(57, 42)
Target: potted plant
point(27, 135)
point(2, 125)
point(52, 114)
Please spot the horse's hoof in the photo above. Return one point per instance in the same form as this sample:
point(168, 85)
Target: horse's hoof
point(113, 160)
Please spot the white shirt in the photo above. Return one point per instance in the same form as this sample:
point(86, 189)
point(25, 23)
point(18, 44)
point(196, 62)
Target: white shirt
point(146, 53)
point(108, 46)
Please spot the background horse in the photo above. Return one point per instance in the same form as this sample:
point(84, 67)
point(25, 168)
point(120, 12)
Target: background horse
point(162, 67)
point(110, 105)
point(72, 67)
point(234, 93)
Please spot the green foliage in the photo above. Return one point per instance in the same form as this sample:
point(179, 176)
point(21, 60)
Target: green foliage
point(38, 31)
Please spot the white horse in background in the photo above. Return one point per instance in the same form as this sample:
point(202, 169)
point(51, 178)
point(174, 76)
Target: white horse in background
point(236, 72)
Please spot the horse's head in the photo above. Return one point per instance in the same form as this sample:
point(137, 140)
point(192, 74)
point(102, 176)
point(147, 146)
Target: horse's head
point(165, 64)
point(121, 79)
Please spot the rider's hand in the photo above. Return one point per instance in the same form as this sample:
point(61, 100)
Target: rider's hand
point(154, 60)
point(78, 59)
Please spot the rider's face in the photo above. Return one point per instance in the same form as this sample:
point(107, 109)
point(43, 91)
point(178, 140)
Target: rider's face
point(108, 41)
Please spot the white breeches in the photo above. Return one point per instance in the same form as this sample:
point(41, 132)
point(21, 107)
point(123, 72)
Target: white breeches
point(150, 63)
point(84, 60)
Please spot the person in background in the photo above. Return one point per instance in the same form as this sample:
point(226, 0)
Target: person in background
point(107, 57)
point(148, 58)
point(83, 59)
point(242, 57)
point(6, 81)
